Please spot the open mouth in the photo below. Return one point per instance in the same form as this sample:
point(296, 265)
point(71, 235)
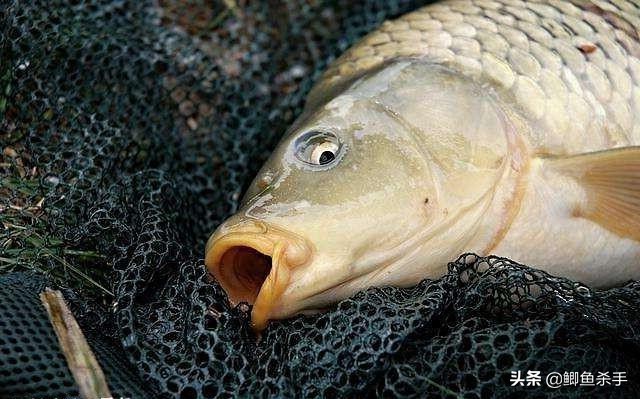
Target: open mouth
point(242, 271)
point(254, 265)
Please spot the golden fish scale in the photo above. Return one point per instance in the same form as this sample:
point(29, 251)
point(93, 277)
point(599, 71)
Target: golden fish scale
point(571, 67)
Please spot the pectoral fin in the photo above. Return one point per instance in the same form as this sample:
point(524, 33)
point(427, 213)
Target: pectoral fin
point(611, 180)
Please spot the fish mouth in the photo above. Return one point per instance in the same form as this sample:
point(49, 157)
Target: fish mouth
point(253, 262)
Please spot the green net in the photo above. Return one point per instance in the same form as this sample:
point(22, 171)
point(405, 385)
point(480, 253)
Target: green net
point(129, 132)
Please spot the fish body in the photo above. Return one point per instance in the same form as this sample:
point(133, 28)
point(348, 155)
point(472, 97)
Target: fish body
point(500, 127)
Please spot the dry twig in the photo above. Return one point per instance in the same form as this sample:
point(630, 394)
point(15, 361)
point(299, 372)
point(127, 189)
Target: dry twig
point(80, 359)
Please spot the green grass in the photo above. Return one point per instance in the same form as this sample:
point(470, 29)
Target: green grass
point(27, 245)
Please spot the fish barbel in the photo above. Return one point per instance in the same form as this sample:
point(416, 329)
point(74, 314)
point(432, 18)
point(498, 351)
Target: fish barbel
point(502, 127)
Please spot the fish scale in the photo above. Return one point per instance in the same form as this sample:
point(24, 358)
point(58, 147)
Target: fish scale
point(568, 65)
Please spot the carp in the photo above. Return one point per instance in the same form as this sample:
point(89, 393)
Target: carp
point(501, 127)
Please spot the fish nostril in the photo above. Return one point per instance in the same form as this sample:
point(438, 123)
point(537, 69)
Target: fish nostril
point(265, 180)
point(243, 270)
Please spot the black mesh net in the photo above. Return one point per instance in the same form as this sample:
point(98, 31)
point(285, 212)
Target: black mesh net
point(130, 130)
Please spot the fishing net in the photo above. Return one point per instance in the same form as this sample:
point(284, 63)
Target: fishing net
point(129, 130)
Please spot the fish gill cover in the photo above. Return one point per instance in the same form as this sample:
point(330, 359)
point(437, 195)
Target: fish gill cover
point(129, 131)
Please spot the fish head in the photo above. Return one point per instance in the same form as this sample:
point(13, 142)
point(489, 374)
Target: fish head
point(351, 196)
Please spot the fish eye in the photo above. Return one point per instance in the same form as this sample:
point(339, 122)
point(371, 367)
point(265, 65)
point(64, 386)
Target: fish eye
point(318, 148)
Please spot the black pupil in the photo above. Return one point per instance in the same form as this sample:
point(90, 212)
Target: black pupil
point(326, 157)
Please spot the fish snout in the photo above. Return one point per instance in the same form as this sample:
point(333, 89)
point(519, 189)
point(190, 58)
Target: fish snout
point(253, 262)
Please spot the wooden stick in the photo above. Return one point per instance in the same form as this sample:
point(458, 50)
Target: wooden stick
point(81, 361)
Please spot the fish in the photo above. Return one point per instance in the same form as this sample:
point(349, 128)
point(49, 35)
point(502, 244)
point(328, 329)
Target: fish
point(501, 127)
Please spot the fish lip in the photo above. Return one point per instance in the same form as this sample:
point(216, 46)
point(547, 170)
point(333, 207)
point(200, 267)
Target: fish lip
point(286, 250)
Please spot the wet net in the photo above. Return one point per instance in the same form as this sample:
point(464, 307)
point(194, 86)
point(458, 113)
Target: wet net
point(130, 129)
